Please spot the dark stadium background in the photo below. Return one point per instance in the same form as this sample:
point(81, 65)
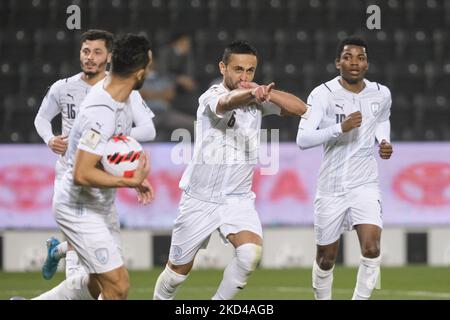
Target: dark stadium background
point(296, 40)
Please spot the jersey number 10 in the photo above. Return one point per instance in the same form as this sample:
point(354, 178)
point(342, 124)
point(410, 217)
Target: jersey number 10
point(340, 117)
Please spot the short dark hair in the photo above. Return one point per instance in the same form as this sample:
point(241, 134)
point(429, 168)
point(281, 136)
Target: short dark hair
point(238, 47)
point(96, 34)
point(130, 53)
point(352, 40)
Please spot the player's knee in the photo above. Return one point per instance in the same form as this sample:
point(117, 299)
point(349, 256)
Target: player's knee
point(370, 251)
point(326, 262)
point(248, 256)
point(182, 269)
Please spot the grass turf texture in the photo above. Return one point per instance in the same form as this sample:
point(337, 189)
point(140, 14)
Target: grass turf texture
point(412, 282)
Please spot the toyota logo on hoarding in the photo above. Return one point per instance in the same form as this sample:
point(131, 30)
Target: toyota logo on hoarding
point(426, 183)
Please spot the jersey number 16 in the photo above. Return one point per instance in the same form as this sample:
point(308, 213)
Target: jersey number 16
point(71, 111)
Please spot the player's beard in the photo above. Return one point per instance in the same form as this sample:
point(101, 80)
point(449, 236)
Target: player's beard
point(230, 85)
point(101, 67)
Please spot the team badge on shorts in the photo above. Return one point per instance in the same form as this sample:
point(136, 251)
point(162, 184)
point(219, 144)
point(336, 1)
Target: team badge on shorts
point(102, 255)
point(176, 252)
point(375, 107)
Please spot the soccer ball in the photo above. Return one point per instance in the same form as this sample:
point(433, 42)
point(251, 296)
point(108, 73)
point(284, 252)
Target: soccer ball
point(121, 156)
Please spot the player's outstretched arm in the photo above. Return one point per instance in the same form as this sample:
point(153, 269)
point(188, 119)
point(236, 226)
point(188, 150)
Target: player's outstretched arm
point(288, 103)
point(88, 173)
point(242, 97)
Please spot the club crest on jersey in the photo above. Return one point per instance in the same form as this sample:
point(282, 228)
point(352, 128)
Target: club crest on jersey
point(102, 255)
point(176, 252)
point(252, 111)
point(375, 107)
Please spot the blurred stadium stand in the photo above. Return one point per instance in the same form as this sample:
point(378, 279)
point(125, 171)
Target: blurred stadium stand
point(296, 40)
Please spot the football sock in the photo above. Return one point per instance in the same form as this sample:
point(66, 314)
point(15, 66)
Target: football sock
point(368, 272)
point(322, 282)
point(167, 284)
point(74, 288)
point(73, 265)
point(236, 273)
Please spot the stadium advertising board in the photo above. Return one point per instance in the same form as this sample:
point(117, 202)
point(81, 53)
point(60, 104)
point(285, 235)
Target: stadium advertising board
point(415, 185)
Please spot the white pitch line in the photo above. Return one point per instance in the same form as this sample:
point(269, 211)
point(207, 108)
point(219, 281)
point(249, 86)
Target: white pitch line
point(383, 292)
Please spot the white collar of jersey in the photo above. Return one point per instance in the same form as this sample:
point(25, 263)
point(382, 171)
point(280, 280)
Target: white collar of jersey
point(335, 84)
point(119, 105)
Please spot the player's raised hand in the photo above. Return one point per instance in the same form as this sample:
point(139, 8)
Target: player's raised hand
point(385, 150)
point(262, 93)
point(58, 144)
point(145, 193)
point(268, 90)
point(352, 121)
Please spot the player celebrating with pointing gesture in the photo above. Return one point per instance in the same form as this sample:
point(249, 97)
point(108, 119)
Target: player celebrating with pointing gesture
point(217, 182)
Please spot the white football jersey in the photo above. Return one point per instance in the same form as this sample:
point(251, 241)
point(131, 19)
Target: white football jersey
point(349, 159)
point(226, 148)
point(65, 96)
point(100, 117)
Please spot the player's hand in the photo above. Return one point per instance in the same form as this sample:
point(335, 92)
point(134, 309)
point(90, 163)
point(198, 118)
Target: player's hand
point(58, 144)
point(352, 121)
point(141, 172)
point(145, 193)
point(385, 150)
point(262, 93)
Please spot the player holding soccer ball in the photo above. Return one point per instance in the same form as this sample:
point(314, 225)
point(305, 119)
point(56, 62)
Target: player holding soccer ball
point(65, 97)
point(347, 114)
point(84, 203)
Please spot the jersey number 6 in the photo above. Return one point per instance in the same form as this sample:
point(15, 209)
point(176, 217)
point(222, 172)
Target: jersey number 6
point(232, 120)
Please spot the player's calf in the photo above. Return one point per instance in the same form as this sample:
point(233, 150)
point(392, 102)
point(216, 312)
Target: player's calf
point(114, 284)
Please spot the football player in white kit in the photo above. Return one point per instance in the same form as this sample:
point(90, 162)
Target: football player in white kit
point(217, 182)
point(349, 113)
point(64, 97)
point(84, 201)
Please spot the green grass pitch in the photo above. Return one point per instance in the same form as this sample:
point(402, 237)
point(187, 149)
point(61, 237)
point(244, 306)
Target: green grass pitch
point(404, 283)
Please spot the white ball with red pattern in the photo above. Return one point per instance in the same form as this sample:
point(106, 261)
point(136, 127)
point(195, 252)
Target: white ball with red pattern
point(121, 156)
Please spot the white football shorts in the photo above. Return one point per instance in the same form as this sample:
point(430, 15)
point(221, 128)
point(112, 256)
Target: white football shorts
point(198, 219)
point(95, 237)
point(335, 214)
